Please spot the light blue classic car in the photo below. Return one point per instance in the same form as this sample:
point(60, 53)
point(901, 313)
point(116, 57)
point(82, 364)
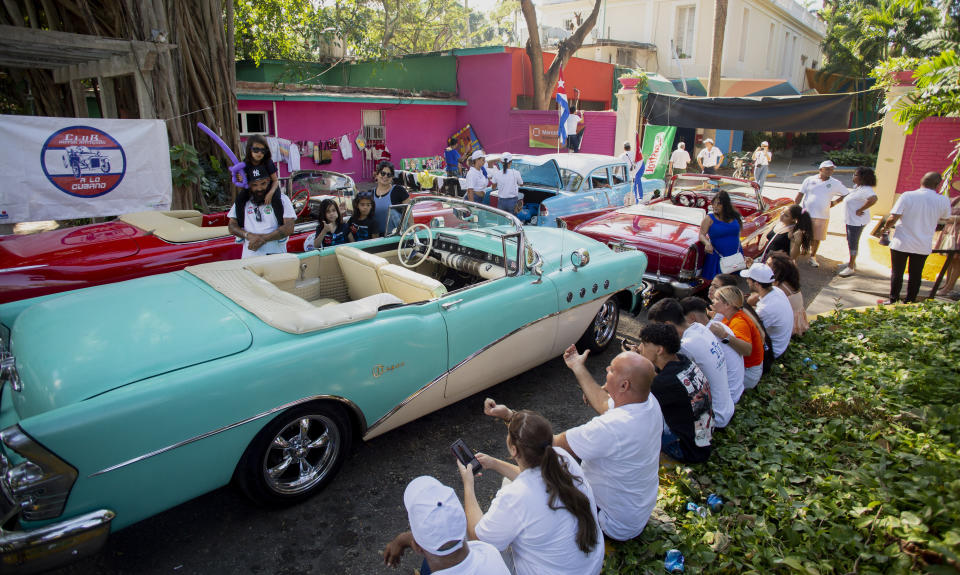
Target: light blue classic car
point(566, 184)
point(120, 401)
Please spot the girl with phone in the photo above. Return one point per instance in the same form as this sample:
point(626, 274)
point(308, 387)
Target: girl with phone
point(546, 514)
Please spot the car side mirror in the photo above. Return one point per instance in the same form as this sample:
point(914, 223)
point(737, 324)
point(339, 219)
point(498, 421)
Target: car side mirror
point(579, 258)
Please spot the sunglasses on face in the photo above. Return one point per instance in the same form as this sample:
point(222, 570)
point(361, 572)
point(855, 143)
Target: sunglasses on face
point(387, 174)
point(258, 150)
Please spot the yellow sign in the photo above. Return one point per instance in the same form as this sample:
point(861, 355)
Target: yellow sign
point(544, 135)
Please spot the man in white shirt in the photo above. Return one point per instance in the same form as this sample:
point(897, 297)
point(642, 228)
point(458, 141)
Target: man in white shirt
point(507, 182)
point(817, 195)
point(699, 344)
point(679, 160)
point(573, 139)
point(476, 180)
point(917, 213)
point(438, 532)
point(258, 224)
point(695, 309)
point(774, 308)
point(761, 163)
point(620, 447)
point(710, 157)
point(627, 156)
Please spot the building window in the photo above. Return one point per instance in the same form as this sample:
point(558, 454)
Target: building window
point(744, 33)
point(251, 123)
point(683, 33)
point(373, 125)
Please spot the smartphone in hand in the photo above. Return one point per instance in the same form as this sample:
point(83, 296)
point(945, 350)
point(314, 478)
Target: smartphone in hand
point(465, 455)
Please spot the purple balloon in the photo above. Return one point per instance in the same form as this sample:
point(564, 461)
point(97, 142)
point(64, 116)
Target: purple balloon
point(237, 172)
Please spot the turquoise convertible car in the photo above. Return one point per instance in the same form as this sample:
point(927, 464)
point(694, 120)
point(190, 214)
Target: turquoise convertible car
point(123, 400)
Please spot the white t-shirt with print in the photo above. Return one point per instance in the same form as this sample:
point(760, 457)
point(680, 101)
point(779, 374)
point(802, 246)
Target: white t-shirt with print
point(817, 195)
point(543, 540)
point(776, 313)
point(267, 224)
point(620, 450)
point(508, 183)
point(710, 157)
point(734, 360)
point(703, 348)
point(483, 559)
point(853, 202)
point(919, 210)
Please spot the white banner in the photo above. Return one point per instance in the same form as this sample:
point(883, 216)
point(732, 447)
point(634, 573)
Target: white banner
point(65, 168)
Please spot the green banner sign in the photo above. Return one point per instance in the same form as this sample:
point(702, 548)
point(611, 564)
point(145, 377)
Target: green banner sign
point(657, 145)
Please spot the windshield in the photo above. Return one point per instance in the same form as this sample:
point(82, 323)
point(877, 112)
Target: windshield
point(739, 191)
point(546, 174)
point(571, 179)
point(453, 213)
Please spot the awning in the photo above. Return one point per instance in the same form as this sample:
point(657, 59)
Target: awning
point(818, 113)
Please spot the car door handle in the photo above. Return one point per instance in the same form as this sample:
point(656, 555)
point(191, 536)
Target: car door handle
point(450, 304)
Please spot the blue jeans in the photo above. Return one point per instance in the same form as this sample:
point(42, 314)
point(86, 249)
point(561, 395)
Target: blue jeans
point(760, 174)
point(853, 239)
point(670, 444)
point(507, 204)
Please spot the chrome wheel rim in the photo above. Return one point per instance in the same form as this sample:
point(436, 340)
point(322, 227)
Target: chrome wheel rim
point(605, 323)
point(301, 454)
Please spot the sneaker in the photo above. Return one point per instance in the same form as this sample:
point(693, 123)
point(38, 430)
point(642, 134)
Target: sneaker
point(846, 272)
point(814, 263)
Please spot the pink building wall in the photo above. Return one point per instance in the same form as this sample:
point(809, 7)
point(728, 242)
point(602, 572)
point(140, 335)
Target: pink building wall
point(599, 131)
point(484, 83)
point(412, 131)
point(926, 150)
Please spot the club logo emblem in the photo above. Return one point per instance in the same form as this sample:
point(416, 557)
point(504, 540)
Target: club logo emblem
point(83, 162)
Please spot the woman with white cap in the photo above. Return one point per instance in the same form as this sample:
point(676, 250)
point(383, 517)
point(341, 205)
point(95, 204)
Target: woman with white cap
point(508, 182)
point(476, 180)
point(761, 163)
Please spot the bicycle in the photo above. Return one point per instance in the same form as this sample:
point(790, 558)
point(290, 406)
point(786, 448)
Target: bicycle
point(743, 167)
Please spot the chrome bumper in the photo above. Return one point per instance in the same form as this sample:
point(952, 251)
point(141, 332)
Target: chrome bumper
point(55, 544)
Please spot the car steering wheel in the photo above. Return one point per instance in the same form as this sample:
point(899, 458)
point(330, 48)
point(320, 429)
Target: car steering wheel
point(410, 235)
point(688, 199)
point(301, 202)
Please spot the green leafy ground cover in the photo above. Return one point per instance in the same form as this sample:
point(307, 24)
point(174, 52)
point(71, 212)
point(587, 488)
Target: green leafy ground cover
point(850, 468)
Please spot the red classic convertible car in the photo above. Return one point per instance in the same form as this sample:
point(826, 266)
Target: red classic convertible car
point(667, 229)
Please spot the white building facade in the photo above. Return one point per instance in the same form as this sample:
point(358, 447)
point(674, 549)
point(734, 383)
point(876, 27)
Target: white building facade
point(763, 38)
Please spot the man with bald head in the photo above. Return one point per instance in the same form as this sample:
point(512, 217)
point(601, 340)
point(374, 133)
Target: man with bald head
point(915, 215)
point(620, 447)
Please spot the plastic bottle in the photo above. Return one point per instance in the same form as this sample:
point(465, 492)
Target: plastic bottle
point(699, 510)
point(715, 502)
point(674, 561)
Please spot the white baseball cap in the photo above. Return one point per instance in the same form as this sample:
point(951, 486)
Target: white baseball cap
point(764, 143)
point(477, 154)
point(506, 157)
point(827, 164)
point(436, 516)
point(708, 141)
point(759, 273)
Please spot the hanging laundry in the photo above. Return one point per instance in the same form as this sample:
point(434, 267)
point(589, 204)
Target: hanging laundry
point(326, 154)
point(316, 154)
point(361, 141)
point(293, 162)
point(333, 144)
point(345, 150)
point(274, 145)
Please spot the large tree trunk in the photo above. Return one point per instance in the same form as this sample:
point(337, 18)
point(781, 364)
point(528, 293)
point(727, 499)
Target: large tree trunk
point(544, 81)
point(716, 56)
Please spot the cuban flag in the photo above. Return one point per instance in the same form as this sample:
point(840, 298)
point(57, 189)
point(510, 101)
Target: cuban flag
point(563, 107)
point(638, 177)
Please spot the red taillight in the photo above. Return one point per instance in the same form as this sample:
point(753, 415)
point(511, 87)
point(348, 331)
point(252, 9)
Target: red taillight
point(689, 266)
point(543, 211)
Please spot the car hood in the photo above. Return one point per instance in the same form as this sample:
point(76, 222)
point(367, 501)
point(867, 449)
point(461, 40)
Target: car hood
point(84, 245)
point(90, 341)
point(648, 233)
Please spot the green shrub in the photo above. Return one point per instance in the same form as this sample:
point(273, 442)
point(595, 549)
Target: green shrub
point(849, 467)
point(851, 157)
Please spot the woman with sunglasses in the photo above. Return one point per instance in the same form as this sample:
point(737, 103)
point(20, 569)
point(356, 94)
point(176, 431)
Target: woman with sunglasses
point(257, 158)
point(386, 194)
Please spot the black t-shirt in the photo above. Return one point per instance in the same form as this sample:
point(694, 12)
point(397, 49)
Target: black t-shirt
point(778, 242)
point(334, 238)
point(684, 396)
point(362, 229)
point(252, 171)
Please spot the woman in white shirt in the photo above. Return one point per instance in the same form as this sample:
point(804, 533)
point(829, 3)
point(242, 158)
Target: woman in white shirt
point(761, 163)
point(546, 514)
point(856, 213)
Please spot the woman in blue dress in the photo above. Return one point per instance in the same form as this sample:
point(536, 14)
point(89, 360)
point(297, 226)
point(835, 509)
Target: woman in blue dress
point(720, 234)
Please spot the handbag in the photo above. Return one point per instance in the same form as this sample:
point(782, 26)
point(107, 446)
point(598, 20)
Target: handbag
point(732, 263)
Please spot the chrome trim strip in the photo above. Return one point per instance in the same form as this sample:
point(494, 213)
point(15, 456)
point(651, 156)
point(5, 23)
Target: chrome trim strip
point(22, 268)
point(347, 402)
point(472, 356)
